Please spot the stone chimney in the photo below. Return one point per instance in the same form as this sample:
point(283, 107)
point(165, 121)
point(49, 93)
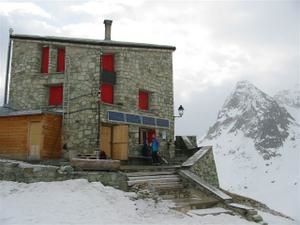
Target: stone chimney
point(107, 29)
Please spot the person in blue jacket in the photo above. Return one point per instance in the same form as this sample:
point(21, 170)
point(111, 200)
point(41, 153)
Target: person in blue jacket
point(155, 149)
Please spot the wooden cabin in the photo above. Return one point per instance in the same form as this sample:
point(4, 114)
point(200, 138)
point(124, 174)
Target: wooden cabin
point(31, 135)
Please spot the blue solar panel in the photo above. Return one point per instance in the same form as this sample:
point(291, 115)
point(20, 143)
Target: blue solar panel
point(116, 116)
point(148, 120)
point(162, 123)
point(130, 118)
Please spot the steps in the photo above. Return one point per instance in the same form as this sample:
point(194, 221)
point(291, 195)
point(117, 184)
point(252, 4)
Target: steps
point(169, 186)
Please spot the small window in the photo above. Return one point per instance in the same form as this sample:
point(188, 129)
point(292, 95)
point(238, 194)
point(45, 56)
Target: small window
point(107, 62)
point(107, 93)
point(56, 95)
point(60, 60)
point(143, 100)
point(45, 60)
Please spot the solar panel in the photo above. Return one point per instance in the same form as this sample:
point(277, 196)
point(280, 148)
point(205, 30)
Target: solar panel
point(162, 123)
point(131, 118)
point(148, 120)
point(137, 119)
point(116, 116)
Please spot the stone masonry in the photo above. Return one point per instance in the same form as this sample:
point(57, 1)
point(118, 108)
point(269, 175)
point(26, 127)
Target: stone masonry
point(137, 68)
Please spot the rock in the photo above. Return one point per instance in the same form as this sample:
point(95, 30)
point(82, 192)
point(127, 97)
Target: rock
point(66, 169)
point(257, 218)
point(251, 212)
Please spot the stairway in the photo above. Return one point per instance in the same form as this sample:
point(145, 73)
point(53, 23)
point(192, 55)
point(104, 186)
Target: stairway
point(170, 186)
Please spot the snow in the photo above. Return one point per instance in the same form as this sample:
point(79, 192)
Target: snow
point(242, 170)
point(241, 167)
point(81, 202)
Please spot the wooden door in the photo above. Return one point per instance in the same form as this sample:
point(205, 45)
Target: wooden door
point(35, 140)
point(120, 142)
point(105, 140)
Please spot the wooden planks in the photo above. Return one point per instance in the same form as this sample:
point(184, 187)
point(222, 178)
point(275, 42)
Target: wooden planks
point(105, 140)
point(16, 142)
point(52, 146)
point(120, 142)
point(14, 135)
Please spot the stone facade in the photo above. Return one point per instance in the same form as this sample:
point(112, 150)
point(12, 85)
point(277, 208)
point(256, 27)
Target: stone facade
point(136, 68)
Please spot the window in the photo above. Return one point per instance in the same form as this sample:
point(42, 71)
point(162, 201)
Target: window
point(107, 93)
point(107, 62)
point(56, 95)
point(45, 60)
point(143, 100)
point(60, 60)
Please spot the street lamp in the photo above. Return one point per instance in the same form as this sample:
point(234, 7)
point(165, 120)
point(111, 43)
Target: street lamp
point(180, 111)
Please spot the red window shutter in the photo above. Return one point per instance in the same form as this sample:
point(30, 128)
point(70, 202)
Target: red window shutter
point(45, 60)
point(60, 60)
point(107, 93)
point(108, 63)
point(56, 95)
point(143, 100)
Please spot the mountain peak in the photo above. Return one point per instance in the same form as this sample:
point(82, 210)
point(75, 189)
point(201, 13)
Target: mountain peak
point(254, 113)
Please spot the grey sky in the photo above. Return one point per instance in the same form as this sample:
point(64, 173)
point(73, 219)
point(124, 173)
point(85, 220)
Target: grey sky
point(218, 42)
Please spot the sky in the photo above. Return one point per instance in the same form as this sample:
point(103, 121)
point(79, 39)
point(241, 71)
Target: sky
point(218, 43)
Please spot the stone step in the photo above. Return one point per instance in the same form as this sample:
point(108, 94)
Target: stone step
point(163, 187)
point(153, 181)
point(150, 168)
point(173, 196)
point(209, 211)
point(156, 177)
point(194, 203)
point(150, 173)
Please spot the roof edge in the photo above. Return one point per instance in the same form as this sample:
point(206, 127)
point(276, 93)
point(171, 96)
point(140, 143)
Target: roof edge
point(91, 42)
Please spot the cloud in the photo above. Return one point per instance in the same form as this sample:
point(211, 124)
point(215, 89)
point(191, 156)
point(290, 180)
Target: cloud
point(217, 43)
point(22, 8)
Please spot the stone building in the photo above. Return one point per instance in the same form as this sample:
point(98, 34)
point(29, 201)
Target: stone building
point(64, 75)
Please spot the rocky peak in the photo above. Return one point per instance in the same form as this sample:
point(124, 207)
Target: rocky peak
point(251, 111)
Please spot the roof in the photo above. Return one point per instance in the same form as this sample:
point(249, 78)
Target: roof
point(6, 111)
point(91, 41)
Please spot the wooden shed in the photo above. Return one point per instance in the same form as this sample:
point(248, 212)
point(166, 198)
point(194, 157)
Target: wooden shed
point(31, 135)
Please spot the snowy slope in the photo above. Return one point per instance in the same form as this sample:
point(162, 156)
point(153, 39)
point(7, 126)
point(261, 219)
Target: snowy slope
point(257, 148)
point(81, 202)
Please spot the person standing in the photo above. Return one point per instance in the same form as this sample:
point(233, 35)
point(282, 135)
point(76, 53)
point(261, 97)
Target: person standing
point(154, 148)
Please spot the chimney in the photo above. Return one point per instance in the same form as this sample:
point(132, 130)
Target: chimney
point(107, 29)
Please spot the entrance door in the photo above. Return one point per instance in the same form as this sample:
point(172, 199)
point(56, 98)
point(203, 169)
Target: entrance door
point(120, 142)
point(105, 139)
point(35, 140)
point(150, 134)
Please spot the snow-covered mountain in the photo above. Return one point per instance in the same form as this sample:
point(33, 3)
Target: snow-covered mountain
point(290, 99)
point(257, 146)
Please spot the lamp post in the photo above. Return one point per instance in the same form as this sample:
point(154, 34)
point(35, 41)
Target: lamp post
point(180, 112)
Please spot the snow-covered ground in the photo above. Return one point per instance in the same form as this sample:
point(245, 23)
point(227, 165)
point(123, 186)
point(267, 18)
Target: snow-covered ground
point(243, 171)
point(81, 202)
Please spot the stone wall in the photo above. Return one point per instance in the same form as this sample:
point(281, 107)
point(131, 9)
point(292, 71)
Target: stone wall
point(81, 95)
point(18, 171)
point(143, 69)
point(203, 164)
point(136, 69)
